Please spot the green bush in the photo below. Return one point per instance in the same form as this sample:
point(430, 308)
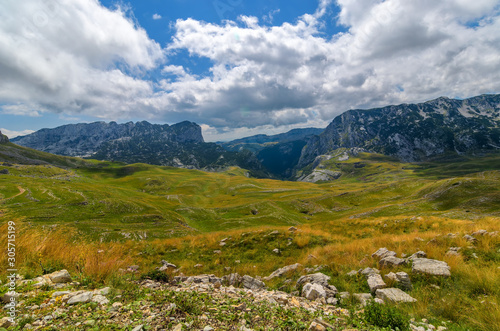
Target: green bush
point(385, 315)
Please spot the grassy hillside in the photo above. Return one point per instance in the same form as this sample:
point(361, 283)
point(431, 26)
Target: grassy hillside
point(140, 214)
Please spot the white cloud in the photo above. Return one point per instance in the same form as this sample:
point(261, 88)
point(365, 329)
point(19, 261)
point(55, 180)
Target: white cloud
point(72, 57)
point(261, 76)
point(156, 16)
point(12, 134)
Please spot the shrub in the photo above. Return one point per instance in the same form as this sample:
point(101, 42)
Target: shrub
point(385, 315)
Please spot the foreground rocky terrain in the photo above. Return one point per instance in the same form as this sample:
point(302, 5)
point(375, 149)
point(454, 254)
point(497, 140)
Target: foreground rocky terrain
point(163, 301)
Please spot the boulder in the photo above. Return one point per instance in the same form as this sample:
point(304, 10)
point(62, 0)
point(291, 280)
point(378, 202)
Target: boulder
point(281, 271)
point(352, 273)
point(317, 278)
point(393, 295)
point(61, 276)
point(375, 282)
point(431, 267)
point(313, 291)
point(369, 271)
point(252, 283)
point(383, 252)
point(470, 239)
point(7, 297)
point(391, 261)
point(100, 299)
point(80, 298)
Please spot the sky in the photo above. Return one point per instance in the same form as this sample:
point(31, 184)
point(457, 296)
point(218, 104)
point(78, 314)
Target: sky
point(237, 67)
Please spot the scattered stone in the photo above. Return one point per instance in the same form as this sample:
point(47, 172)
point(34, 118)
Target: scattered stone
point(217, 251)
point(316, 327)
point(393, 295)
point(276, 251)
point(178, 327)
point(317, 278)
point(61, 276)
point(470, 239)
point(383, 253)
point(352, 273)
point(80, 298)
point(100, 299)
point(369, 271)
point(9, 296)
point(375, 282)
point(313, 291)
point(480, 233)
point(5, 322)
point(292, 229)
point(431, 267)
point(391, 261)
point(252, 283)
point(198, 265)
point(138, 328)
point(208, 328)
point(453, 251)
point(281, 271)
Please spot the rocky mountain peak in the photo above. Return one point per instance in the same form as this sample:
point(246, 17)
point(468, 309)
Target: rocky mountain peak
point(414, 132)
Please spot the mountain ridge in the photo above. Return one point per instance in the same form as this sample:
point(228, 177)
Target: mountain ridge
point(414, 132)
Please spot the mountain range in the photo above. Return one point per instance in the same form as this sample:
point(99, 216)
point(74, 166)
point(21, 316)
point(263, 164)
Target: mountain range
point(409, 132)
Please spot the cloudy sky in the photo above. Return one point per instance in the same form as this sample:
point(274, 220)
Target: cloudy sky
point(237, 67)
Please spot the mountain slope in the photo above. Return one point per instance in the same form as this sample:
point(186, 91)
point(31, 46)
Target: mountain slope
point(178, 145)
point(261, 141)
point(414, 132)
point(83, 139)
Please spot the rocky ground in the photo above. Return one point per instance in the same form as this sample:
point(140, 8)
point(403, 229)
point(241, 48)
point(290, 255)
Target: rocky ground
point(207, 302)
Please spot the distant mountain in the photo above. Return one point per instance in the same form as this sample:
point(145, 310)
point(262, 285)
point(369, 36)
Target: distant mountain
point(178, 145)
point(84, 140)
point(279, 153)
point(261, 141)
point(3, 138)
point(414, 132)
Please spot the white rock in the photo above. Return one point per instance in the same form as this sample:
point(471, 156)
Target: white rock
point(375, 282)
point(383, 252)
point(61, 276)
point(100, 299)
point(431, 267)
point(393, 295)
point(317, 278)
point(313, 291)
point(81, 298)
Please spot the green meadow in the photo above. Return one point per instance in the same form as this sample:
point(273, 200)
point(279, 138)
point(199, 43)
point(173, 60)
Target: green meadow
point(66, 210)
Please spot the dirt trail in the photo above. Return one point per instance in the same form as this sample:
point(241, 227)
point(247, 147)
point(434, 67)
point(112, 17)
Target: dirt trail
point(21, 191)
